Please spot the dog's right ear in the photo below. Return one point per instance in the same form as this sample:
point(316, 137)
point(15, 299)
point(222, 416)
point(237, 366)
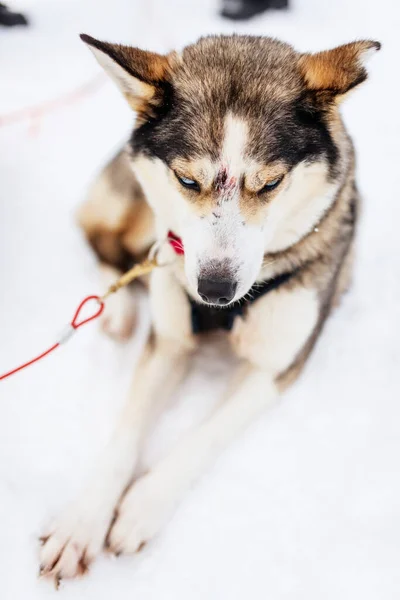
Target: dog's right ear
point(143, 77)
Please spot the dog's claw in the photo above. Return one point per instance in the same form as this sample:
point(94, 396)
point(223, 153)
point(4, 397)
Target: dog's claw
point(107, 547)
point(41, 570)
point(111, 555)
point(57, 582)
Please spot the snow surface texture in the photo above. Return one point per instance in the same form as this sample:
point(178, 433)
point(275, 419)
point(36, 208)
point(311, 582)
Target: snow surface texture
point(306, 505)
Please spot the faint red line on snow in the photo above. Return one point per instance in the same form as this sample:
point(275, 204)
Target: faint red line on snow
point(34, 114)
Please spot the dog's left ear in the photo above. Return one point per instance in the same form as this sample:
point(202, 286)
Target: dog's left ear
point(335, 72)
point(143, 77)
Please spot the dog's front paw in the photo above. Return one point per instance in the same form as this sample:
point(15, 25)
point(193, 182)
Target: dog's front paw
point(142, 513)
point(119, 316)
point(72, 543)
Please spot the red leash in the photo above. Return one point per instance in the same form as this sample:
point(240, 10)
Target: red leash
point(176, 244)
point(66, 334)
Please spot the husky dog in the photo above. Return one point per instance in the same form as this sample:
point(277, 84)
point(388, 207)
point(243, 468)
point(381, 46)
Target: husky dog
point(239, 151)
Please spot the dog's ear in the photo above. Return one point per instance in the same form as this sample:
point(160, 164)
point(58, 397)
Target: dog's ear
point(335, 72)
point(143, 77)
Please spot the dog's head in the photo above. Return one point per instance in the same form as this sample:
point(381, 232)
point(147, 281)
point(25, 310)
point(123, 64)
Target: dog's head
point(238, 146)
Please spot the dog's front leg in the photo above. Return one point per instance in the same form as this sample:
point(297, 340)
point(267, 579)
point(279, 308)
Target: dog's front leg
point(78, 535)
point(151, 500)
point(268, 340)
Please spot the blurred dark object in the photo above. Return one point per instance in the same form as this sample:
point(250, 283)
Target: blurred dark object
point(238, 10)
point(8, 18)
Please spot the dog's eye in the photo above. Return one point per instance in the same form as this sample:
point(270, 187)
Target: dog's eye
point(271, 185)
point(186, 182)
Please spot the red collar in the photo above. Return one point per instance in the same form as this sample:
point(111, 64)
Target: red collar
point(176, 243)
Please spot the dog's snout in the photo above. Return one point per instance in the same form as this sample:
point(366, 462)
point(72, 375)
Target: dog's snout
point(217, 291)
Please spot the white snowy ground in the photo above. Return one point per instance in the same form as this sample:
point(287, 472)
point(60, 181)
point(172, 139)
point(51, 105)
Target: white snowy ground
point(306, 505)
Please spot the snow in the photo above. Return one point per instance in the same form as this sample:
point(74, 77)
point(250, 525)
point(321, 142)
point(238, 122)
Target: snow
point(306, 505)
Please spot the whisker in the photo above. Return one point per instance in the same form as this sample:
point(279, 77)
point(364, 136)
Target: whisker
point(268, 264)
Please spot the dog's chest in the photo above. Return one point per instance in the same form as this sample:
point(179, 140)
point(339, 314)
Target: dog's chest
point(210, 318)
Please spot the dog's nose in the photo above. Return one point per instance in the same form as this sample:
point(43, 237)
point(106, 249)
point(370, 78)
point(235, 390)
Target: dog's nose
point(217, 291)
